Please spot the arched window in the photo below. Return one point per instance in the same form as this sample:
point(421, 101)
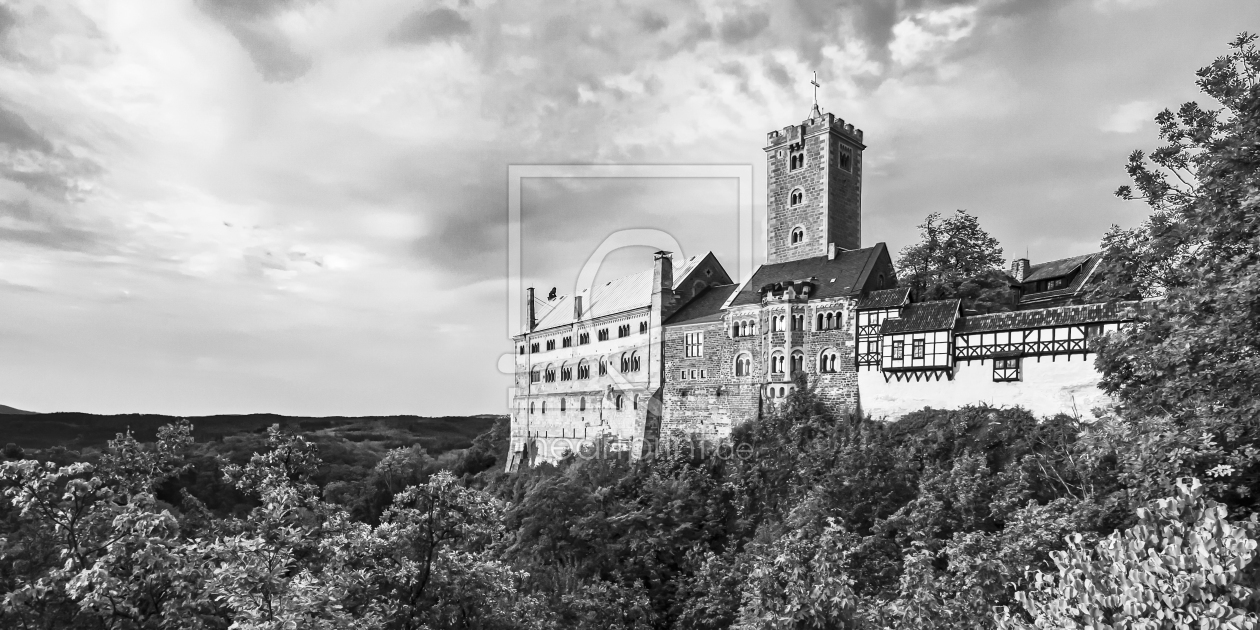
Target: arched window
point(776, 363)
point(796, 198)
point(620, 401)
point(582, 404)
point(798, 362)
point(879, 284)
point(625, 363)
point(798, 236)
point(544, 407)
point(634, 361)
point(743, 365)
point(636, 401)
point(584, 370)
point(830, 323)
point(643, 328)
point(531, 406)
point(819, 325)
point(603, 366)
point(561, 404)
point(827, 361)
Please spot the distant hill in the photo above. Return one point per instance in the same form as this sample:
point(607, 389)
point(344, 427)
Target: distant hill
point(7, 410)
point(76, 431)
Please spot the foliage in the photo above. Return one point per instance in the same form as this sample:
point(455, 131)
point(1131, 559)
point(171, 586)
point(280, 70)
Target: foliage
point(1183, 565)
point(956, 258)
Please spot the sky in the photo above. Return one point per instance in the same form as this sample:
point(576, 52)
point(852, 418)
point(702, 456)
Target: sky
point(300, 206)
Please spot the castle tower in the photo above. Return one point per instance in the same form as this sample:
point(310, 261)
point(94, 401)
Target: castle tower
point(814, 196)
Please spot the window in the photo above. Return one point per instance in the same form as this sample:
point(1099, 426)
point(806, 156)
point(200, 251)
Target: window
point(619, 402)
point(798, 236)
point(796, 198)
point(827, 361)
point(584, 369)
point(743, 365)
point(531, 407)
point(642, 328)
point(776, 364)
point(544, 407)
point(796, 157)
point(535, 376)
point(625, 363)
point(584, 338)
point(899, 350)
point(561, 404)
point(549, 375)
point(602, 334)
point(582, 404)
point(1006, 369)
point(776, 323)
point(798, 322)
point(567, 342)
point(693, 344)
point(634, 362)
point(623, 331)
point(682, 374)
point(566, 373)
point(917, 349)
point(603, 367)
point(551, 344)
point(844, 158)
point(798, 362)
point(521, 350)
point(533, 347)
point(636, 401)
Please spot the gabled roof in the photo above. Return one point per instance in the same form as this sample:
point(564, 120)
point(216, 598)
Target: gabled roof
point(1088, 265)
point(923, 316)
point(842, 276)
point(1055, 316)
point(1056, 268)
point(885, 298)
point(706, 307)
point(615, 296)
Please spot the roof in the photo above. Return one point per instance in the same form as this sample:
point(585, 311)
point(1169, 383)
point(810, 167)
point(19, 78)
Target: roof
point(841, 276)
point(934, 315)
point(1057, 316)
point(615, 296)
point(706, 307)
point(885, 298)
point(1088, 264)
point(1056, 268)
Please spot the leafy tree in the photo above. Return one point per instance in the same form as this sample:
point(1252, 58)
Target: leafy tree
point(1183, 565)
point(1194, 356)
point(956, 258)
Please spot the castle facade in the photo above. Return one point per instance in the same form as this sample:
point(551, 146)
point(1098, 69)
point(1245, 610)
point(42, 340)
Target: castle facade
point(683, 348)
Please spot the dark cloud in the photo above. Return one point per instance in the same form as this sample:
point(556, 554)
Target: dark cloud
point(653, 22)
point(423, 27)
point(7, 20)
point(43, 227)
point(251, 23)
point(15, 132)
point(743, 28)
point(777, 73)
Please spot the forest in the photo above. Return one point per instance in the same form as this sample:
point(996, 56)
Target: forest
point(1147, 517)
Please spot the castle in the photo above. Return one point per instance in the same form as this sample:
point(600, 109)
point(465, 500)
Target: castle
point(681, 347)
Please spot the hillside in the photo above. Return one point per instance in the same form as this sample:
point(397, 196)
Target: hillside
point(76, 431)
point(7, 410)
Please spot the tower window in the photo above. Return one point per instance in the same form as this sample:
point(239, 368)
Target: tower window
point(796, 158)
point(844, 158)
point(743, 365)
point(796, 197)
point(693, 344)
point(798, 235)
point(827, 361)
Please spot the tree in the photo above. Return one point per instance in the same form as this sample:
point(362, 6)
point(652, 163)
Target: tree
point(1183, 565)
point(1196, 355)
point(956, 258)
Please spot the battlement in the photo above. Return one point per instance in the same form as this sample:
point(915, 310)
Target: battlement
point(811, 126)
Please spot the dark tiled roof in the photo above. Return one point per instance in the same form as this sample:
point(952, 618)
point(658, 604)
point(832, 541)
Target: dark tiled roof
point(833, 278)
point(884, 298)
point(935, 315)
point(1056, 268)
point(1089, 266)
point(1057, 316)
point(706, 307)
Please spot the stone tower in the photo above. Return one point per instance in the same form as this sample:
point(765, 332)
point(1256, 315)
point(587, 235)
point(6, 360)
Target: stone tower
point(814, 196)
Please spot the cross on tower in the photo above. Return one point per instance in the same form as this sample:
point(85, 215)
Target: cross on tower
point(816, 86)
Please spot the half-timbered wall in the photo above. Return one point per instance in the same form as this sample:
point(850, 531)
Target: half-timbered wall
point(867, 336)
point(917, 354)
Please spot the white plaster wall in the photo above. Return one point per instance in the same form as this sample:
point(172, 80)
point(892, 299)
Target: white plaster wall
point(1047, 386)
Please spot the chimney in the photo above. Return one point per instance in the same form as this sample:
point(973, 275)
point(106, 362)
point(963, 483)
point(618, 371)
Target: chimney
point(529, 310)
point(577, 307)
point(831, 251)
point(662, 281)
point(1019, 269)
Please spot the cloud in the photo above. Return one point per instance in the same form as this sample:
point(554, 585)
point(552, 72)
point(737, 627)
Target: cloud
point(742, 28)
point(18, 134)
point(252, 23)
point(423, 27)
point(1129, 117)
